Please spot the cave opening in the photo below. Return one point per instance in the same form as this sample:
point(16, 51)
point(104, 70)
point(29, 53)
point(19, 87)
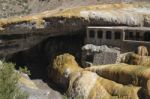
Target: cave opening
point(38, 58)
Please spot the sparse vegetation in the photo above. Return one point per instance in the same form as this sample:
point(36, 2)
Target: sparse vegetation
point(9, 83)
point(24, 70)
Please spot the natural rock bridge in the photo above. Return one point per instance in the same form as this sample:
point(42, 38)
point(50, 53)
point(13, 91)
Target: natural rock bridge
point(22, 36)
point(21, 33)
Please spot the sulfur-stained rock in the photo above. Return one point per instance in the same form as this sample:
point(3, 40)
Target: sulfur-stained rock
point(125, 74)
point(85, 85)
point(142, 50)
point(63, 65)
point(134, 59)
point(88, 85)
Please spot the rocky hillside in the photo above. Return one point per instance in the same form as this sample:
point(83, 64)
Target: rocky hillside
point(13, 8)
point(22, 33)
point(42, 5)
point(23, 7)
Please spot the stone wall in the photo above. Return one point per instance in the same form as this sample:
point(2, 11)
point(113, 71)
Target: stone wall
point(105, 58)
point(125, 44)
point(98, 55)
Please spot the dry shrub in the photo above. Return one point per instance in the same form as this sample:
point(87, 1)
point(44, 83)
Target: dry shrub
point(9, 80)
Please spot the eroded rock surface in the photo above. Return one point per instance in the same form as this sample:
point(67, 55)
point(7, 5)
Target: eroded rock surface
point(98, 55)
point(37, 89)
point(88, 85)
point(134, 59)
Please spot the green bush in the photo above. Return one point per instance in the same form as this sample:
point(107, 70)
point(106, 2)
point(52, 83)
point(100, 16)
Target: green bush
point(24, 70)
point(9, 83)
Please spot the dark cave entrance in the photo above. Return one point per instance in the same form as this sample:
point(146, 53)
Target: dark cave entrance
point(39, 57)
point(147, 36)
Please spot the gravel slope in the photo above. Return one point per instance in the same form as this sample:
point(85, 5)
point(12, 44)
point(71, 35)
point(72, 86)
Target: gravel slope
point(23, 7)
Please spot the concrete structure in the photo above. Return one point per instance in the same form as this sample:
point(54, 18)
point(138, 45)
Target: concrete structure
point(126, 38)
point(105, 58)
point(98, 55)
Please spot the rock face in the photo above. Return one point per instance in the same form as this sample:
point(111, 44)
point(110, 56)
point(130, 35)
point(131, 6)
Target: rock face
point(95, 48)
point(37, 89)
point(126, 74)
point(142, 50)
point(22, 36)
point(88, 85)
point(62, 67)
point(134, 59)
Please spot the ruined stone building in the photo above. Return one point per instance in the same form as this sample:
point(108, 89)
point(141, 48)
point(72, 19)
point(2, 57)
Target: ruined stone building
point(126, 38)
point(122, 39)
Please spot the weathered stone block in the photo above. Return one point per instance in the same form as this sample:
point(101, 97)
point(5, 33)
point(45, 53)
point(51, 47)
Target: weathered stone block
point(105, 58)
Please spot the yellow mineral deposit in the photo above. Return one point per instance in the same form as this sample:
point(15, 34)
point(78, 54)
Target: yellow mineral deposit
point(88, 85)
point(135, 59)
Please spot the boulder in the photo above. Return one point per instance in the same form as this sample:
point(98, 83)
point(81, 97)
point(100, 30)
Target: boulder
point(98, 55)
point(88, 85)
point(134, 59)
point(63, 65)
point(142, 50)
point(37, 89)
point(95, 48)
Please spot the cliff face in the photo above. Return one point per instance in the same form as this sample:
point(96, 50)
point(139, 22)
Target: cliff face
point(22, 36)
